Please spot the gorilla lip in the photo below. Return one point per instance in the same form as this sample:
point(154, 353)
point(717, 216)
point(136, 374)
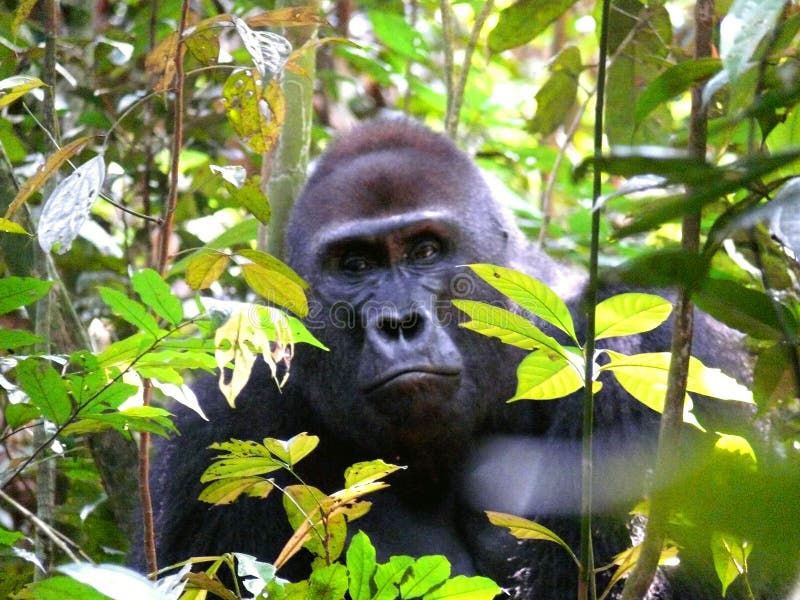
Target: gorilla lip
point(422, 372)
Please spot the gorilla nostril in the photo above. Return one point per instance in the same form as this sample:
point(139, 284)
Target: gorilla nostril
point(401, 326)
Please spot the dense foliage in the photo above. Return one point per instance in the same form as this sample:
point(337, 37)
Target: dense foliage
point(136, 165)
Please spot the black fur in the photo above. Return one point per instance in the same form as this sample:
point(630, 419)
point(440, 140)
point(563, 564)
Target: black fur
point(381, 303)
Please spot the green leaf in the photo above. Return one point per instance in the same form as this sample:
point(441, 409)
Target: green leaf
point(61, 587)
point(293, 450)
point(124, 352)
point(45, 388)
point(362, 473)
point(17, 338)
point(17, 86)
point(541, 378)
point(555, 99)
point(244, 97)
point(524, 20)
point(361, 565)
point(204, 269)
point(240, 234)
point(509, 327)
point(276, 288)
point(251, 197)
point(462, 587)
point(297, 329)
point(525, 529)
point(426, 573)
point(271, 263)
point(745, 309)
point(20, 414)
point(225, 491)
point(157, 295)
point(9, 538)
point(395, 32)
point(9, 226)
point(730, 557)
point(629, 314)
point(328, 583)
point(674, 81)
point(203, 43)
point(240, 466)
point(21, 291)
point(389, 575)
point(531, 294)
point(130, 310)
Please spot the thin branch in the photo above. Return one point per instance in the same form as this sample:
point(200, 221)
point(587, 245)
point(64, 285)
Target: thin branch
point(448, 41)
point(672, 418)
point(57, 538)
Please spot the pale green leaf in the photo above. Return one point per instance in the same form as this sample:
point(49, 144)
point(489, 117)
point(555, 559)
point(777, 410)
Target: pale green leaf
point(240, 466)
point(45, 388)
point(205, 268)
point(531, 294)
point(389, 575)
point(328, 582)
point(730, 557)
point(742, 29)
point(156, 294)
point(361, 565)
point(362, 473)
point(462, 587)
point(629, 314)
point(239, 341)
point(509, 327)
point(17, 338)
point(10, 226)
point(426, 573)
point(293, 450)
point(525, 529)
point(16, 292)
point(17, 86)
point(276, 287)
point(130, 310)
point(541, 378)
point(225, 491)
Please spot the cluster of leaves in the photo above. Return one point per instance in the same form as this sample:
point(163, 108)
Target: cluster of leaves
point(553, 370)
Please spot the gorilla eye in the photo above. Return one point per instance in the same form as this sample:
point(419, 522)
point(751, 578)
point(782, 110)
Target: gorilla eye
point(354, 263)
point(425, 251)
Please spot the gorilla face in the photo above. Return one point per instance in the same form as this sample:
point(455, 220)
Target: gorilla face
point(380, 233)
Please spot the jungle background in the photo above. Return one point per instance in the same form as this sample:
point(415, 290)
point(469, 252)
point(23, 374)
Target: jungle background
point(138, 173)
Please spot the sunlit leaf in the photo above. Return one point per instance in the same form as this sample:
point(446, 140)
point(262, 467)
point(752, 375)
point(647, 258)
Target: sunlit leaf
point(631, 313)
point(240, 466)
point(627, 559)
point(294, 449)
point(12, 88)
point(67, 208)
point(530, 293)
point(157, 295)
point(16, 292)
point(541, 378)
point(120, 583)
point(273, 264)
point(509, 327)
point(328, 582)
point(525, 529)
point(239, 341)
point(398, 35)
point(130, 310)
point(730, 555)
point(389, 575)
point(426, 573)
point(255, 111)
point(8, 226)
point(735, 444)
point(251, 196)
point(204, 269)
point(52, 164)
point(462, 587)
point(45, 388)
point(361, 565)
point(275, 287)
point(366, 472)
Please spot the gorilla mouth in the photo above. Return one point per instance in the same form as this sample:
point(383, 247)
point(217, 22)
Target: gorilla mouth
point(411, 376)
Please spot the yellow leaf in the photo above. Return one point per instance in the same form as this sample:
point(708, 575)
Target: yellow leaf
point(205, 268)
point(45, 171)
point(160, 62)
point(11, 227)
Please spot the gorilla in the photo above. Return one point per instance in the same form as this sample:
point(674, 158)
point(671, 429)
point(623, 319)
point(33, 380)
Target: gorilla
point(382, 230)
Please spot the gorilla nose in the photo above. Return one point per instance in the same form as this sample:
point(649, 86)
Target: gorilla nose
point(401, 325)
